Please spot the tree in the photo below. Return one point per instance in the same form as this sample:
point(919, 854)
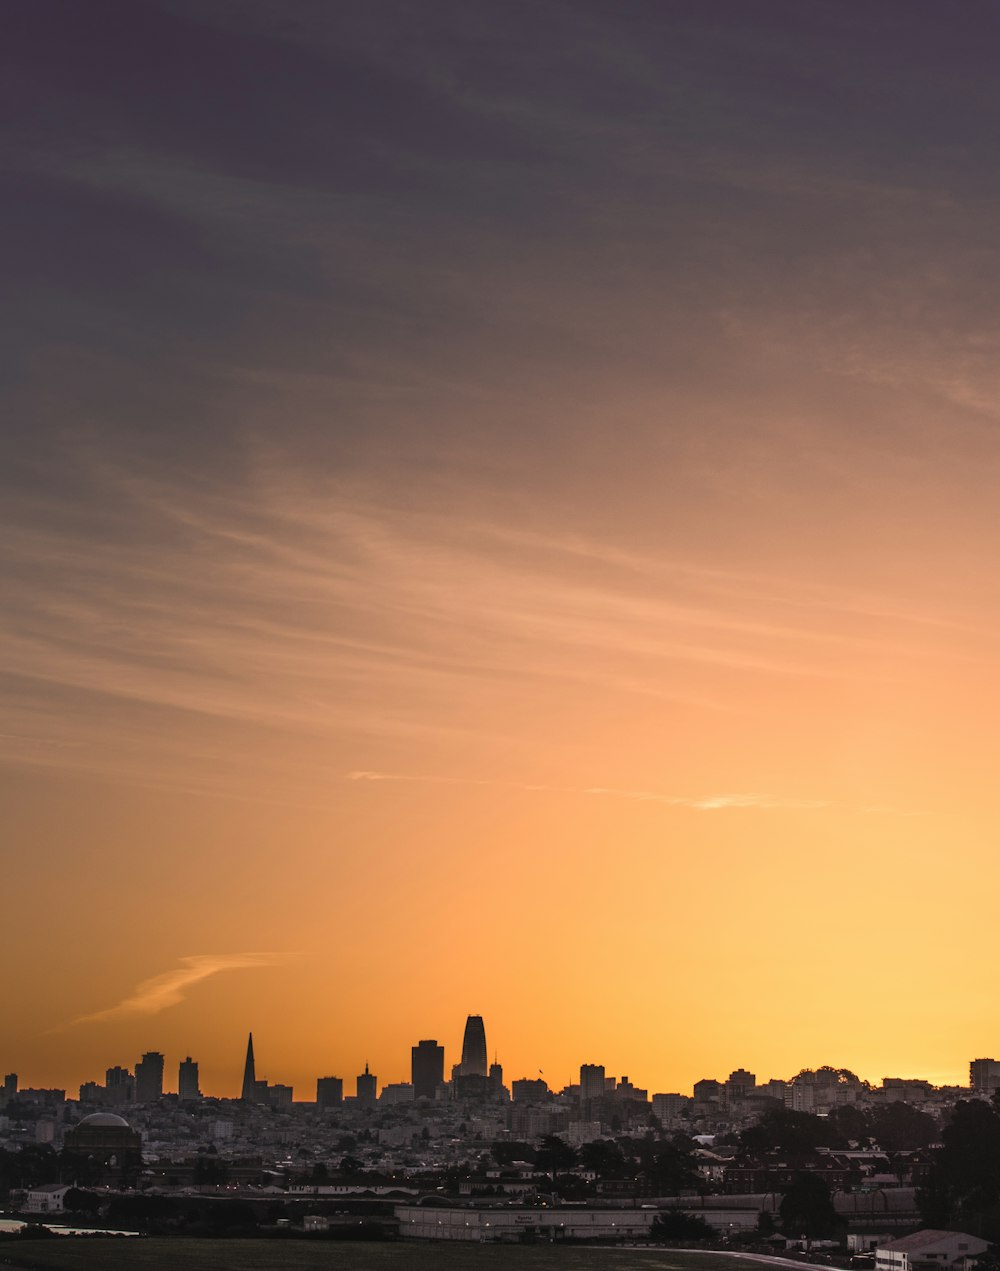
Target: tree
point(231, 1215)
point(81, 1168)
point(604, 1157)
point(765, 1223)
point(807, 1209)
point(963, 1189)
point(79, 1201)
point(667, 1165)
point(555, 1155)
point(32, 1165)
point(209, 1171)
point(569, 1187)
point(673, 1224)
point(898, 1127)
point(505, 1153)
point(784, 1131)
point(131, 1211)
point(848, 1123)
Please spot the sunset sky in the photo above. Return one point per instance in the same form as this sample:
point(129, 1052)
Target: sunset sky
point(500, 514)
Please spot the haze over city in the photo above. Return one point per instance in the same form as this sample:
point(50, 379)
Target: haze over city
point(499, 516)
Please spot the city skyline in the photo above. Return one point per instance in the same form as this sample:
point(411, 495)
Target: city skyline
point(498, 511)
point(429, 1066)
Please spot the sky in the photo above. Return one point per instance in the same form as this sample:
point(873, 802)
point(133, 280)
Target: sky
point(498, 515)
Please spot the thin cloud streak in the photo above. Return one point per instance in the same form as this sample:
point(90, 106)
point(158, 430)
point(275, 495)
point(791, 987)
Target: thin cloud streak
point(699, 803)
point(171, 988)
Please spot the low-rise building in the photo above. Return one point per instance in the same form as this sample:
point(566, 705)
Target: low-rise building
point(511, 1225)
point(47, 1198)
point(930, 1248)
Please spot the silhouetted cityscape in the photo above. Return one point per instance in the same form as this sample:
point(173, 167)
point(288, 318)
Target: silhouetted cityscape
point(731, 1150)
point(499, 525)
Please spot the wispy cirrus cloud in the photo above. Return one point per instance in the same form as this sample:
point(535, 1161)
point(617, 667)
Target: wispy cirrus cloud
point(699, 803)
point(228, 640)
point(171, 987)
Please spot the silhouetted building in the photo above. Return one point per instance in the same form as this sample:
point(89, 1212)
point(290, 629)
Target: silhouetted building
point(119, 1086)
point(367, 1089)
point(984, 1076)
point(109, 1142)
point(592, 1082)
point(396, 1092)
point(249, 1093)
point(43, 1098)
point(149, 1077)
point(426, 1069)
point(474, 1060)
point(708, 1090)
point(187, 1080)
point(329, 1092)
point(9, 1087)
point(625, 1090)
point(666, 1107)
point(529, 1090)
point(472, 1086)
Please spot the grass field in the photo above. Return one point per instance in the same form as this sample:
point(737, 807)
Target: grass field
point(68, 1254)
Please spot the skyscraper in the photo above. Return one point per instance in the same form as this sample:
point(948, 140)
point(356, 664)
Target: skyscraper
point(119, 1086)
point(474, 1061)
point(187, 1080)
point(427, 1069)
point(984, 1076)
point(367, 1089)
point(591, 1082)
point(329, 1092)
point(249, 1094)
point(149, 1077)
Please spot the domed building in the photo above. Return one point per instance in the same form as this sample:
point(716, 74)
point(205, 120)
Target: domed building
point(109, 1142)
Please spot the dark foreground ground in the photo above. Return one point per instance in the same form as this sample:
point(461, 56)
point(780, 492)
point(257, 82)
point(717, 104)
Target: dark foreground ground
point(68, 1253)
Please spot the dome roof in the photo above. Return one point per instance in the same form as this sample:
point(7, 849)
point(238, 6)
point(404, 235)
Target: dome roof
point(107, 1119)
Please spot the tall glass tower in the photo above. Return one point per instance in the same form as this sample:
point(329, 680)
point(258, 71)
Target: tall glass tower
point(474, 1062)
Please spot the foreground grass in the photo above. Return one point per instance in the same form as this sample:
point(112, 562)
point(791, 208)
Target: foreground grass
point(69, 1253)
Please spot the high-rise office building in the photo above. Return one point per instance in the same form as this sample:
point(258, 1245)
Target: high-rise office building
point(474, 1061)
point(329, 1092)
point(984, 1076)
point(742, 1080)
point(149, 1077)
point(427, 1069)
point(367, 1089)
point(249, 1092)
point(529, 1090)
point(119, 1085)
point(187, 1080)
point(9, 1087)
point(667, 1107)
point(592, 1082)
point(708, 1090)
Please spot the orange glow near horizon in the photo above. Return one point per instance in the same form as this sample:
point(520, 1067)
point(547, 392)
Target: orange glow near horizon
point(669, 815)
point(501, 517)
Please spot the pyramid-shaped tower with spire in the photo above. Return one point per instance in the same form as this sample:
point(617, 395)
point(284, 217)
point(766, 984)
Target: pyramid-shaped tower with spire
point(249, 1075)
